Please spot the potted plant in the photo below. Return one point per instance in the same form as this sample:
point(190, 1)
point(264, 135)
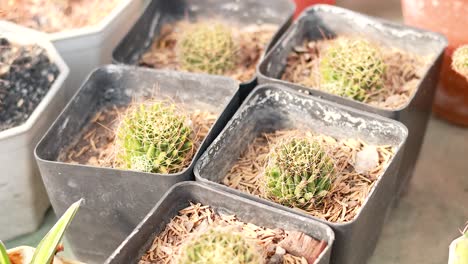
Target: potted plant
point(362, 62)
point(206, 216)
point(311, 157)
point(127, 136)
point(448, 18)
point(32, 77)
point(48, 247)
point(192, 35)
point(84, 36)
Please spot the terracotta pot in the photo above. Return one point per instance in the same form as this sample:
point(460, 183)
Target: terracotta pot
point(449, 18)
point(303, 4)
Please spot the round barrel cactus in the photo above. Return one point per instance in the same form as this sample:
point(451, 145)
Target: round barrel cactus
point(298, 172)
point(220, 245)
point(208, 48)
point(153, 137)
point(349, 67)
point(460, 60)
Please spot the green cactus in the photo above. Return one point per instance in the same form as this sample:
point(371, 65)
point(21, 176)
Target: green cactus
point(460, 61)
point(298, 172)
point(208, 48)
point(220, 245)
point(153, 137)
point(349, 67)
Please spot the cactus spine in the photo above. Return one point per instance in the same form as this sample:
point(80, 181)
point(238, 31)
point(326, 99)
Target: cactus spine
point(208, 48)
point(298, 172)
point(218, 245)
point(349, 67)
point(153, 137)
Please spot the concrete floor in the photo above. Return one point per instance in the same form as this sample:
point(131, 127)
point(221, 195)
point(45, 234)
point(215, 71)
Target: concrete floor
point(434, 208)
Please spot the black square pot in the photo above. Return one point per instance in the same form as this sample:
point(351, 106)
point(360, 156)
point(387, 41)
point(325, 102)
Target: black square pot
point(274, 107)
point(159, 12)
point(116, 200)
point(323, 21)
point(180, 196)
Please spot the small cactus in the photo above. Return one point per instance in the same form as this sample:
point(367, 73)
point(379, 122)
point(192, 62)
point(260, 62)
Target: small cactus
point(298, 172)
point(460, 61)
point(153, 137)
point(220, 245)
point(349, 67)
point(208, 48)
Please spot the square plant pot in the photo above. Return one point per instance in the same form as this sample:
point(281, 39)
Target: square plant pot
point(87, 48)
point(180, 197)
point(323, 21)
point(22, 192)
point(116, 200)
point(274, 107)
point(148, 28)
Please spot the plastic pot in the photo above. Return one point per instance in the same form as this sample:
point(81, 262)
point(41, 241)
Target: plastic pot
point(148, 27)
point(180, 196)
point(22, 192)
point(327, 21)
point(274, 107)
point(87, 48)
point(116, 200)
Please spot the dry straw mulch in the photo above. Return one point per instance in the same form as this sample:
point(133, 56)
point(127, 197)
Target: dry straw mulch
point(403, 72)
point(58, 15)
point(95, 145)
point(349, 188)
point(196, 218)
point(251, 40)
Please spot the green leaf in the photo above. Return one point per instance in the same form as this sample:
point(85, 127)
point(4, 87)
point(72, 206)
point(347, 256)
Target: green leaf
point(4, 259)
point(45, 251)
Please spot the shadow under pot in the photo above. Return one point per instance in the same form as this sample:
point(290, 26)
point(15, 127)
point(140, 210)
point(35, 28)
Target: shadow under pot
point(311, 157)
point(203, 215)
point(127, 136)
point(363, 62)
point(215, 37)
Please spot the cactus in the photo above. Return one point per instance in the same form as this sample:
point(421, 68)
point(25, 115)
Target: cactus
point(153, 137)
point(220, 245)
point(350, 67)
point(460, 61)
point(298, 172)
point(458, 249)
point(208, 48)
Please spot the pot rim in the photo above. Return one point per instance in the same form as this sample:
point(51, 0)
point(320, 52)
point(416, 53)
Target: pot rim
point(393, 27)
point(329, 230)
point(133, 173)
point(399, 151)
point(22, 35)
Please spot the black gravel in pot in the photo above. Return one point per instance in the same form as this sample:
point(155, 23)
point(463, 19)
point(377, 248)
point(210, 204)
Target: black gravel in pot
point(26, 75)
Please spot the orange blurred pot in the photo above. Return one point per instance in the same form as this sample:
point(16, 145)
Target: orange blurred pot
point(303, 4)
point(449, 17)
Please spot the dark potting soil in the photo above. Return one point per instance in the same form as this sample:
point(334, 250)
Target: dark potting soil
point(26, 74)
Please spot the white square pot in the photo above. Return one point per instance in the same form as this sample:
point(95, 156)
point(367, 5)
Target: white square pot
point(23, 200)
point(89, 47)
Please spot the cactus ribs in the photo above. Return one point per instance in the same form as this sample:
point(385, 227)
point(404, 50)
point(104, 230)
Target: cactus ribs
point(249, 42)
point(336, 195)
point(358, 69)
point(97, 144)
